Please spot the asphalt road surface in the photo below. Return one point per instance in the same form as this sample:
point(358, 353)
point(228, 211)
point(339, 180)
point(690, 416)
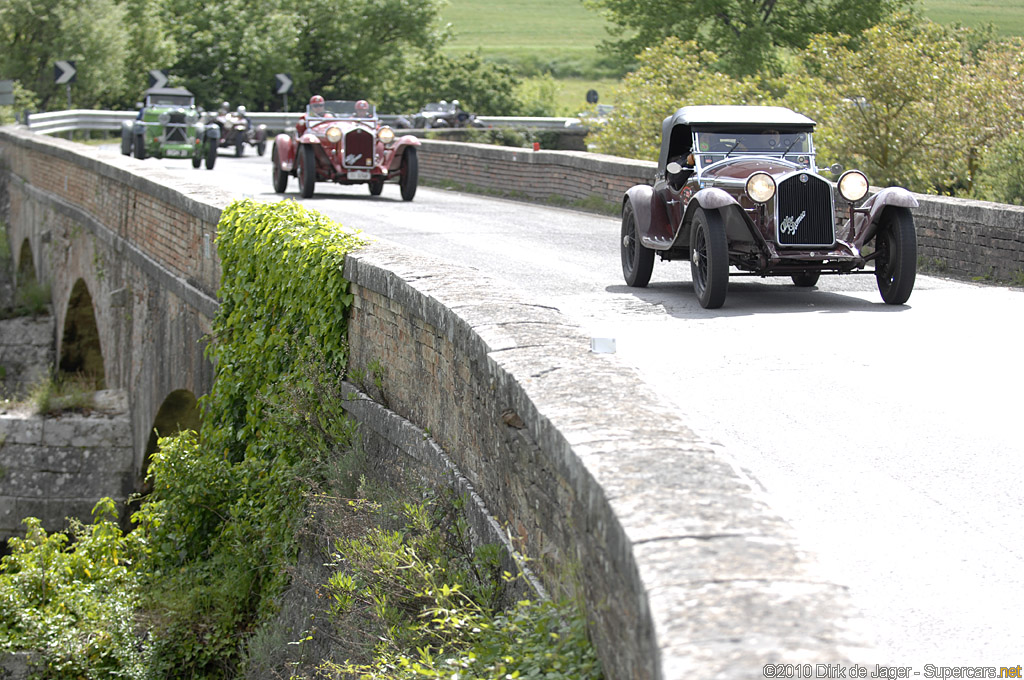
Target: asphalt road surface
point(887, 436)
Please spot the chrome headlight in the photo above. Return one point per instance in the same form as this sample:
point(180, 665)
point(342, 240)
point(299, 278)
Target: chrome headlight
point(386, 135)
point(760, 187)
point(164, 118)
point(192, 117)
point(333, 134)
point(853, 185)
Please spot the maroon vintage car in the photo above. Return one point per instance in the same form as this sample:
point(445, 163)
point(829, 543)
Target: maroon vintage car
point(737, 187)
point(345, 142)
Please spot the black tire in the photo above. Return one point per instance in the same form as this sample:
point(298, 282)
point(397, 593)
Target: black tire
point(376, 186)
point(261, 147)
point(239, 149)
point(805, 279)
point(211, 153)
point(140, 147)
point(896, 260)
point(280, 176)
point(126, 144)
point(637, 259)
point(709, 258)
point(410, 174)
point(307, 170)
point(197, 156)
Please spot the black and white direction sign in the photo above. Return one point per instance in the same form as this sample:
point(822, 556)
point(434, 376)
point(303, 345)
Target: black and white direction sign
point(64, 72)
point(282, 83)
point(157, 78)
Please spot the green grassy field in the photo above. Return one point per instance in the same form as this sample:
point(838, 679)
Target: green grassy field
point(1006, 15)
point(527, 31)
point(563, 37)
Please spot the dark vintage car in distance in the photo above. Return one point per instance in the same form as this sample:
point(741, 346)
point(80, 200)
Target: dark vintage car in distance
point(737, 188)
point(442, 114)
point(170, 126)
point(346, 143)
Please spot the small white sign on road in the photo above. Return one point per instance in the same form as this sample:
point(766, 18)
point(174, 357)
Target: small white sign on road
point(6, 93)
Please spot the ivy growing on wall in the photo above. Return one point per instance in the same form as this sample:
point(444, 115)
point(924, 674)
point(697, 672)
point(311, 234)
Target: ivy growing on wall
point(224, 509)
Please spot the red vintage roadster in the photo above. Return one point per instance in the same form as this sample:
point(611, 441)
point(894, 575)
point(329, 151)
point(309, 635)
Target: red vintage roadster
point(345, 142)
point(737, 193)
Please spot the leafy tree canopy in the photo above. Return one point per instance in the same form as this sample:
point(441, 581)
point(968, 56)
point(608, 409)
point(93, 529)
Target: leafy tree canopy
point(746, 34)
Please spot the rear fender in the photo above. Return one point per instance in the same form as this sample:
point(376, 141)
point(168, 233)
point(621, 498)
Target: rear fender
point(866, 224)
point(652, 225)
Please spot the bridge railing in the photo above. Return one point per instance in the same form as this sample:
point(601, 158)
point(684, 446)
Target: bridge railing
point(55, 122)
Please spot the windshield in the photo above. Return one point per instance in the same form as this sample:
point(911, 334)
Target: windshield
point(169, 100)
point(768, 141)
point(437, 106)
point(339, 109)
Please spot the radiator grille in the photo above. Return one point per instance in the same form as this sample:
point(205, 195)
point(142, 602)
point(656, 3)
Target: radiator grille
point(806, 216)
point(358, 149)
point(175, 132)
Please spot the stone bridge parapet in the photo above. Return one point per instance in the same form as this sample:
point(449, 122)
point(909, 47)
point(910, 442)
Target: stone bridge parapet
point(683, 568)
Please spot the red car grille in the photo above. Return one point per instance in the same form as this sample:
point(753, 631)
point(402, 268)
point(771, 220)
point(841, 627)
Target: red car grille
point(358, 149)
point(805, 214)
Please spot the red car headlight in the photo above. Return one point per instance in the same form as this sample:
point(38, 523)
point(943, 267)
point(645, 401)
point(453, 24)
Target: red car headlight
point(333, 134)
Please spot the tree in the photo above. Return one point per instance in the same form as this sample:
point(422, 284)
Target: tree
point(350, 49)
point(669, 76)
point(481, 87)
point(37, 33)
point(913, 105)
point(232, 49)
point(747, 34)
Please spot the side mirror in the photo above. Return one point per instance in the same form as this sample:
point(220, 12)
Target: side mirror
point(836, 169)
point(673, 168)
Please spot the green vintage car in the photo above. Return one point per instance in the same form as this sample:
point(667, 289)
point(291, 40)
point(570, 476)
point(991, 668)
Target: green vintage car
point(170, 126)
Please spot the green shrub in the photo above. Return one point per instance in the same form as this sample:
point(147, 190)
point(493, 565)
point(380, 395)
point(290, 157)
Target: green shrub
point(428, 605)
point(71, 598)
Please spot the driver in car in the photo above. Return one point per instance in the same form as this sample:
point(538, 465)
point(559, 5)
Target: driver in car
point(316, 109)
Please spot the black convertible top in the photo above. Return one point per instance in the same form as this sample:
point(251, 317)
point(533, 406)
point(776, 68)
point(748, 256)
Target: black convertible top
point(676, 129)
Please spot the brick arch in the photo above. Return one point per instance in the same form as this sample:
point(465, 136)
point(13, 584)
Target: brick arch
point(80, 351)
point(26, 272)
point(179, 411)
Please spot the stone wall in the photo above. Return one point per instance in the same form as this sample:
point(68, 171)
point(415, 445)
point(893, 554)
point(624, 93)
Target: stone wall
point(141, 241)
point(26, 353)
point(957, 237)
point(59, 466)
point(683, 569)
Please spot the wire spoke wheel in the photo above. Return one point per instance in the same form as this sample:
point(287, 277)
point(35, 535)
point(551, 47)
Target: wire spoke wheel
point(637, 259)
point(709, 259)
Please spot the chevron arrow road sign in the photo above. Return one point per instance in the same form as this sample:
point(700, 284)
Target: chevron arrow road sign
point(282, 83)
point(157, 78)
point(64, 72)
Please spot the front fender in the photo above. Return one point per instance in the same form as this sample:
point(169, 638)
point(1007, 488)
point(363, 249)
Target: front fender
point(866, 224)
point(398, 148)
point(138, 128)
point(212, 132)
point(712, 198)
point(652, 227)
point(284, 148)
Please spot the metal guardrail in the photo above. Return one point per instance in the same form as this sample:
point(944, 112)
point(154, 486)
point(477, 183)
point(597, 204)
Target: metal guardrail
point(55, 122)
